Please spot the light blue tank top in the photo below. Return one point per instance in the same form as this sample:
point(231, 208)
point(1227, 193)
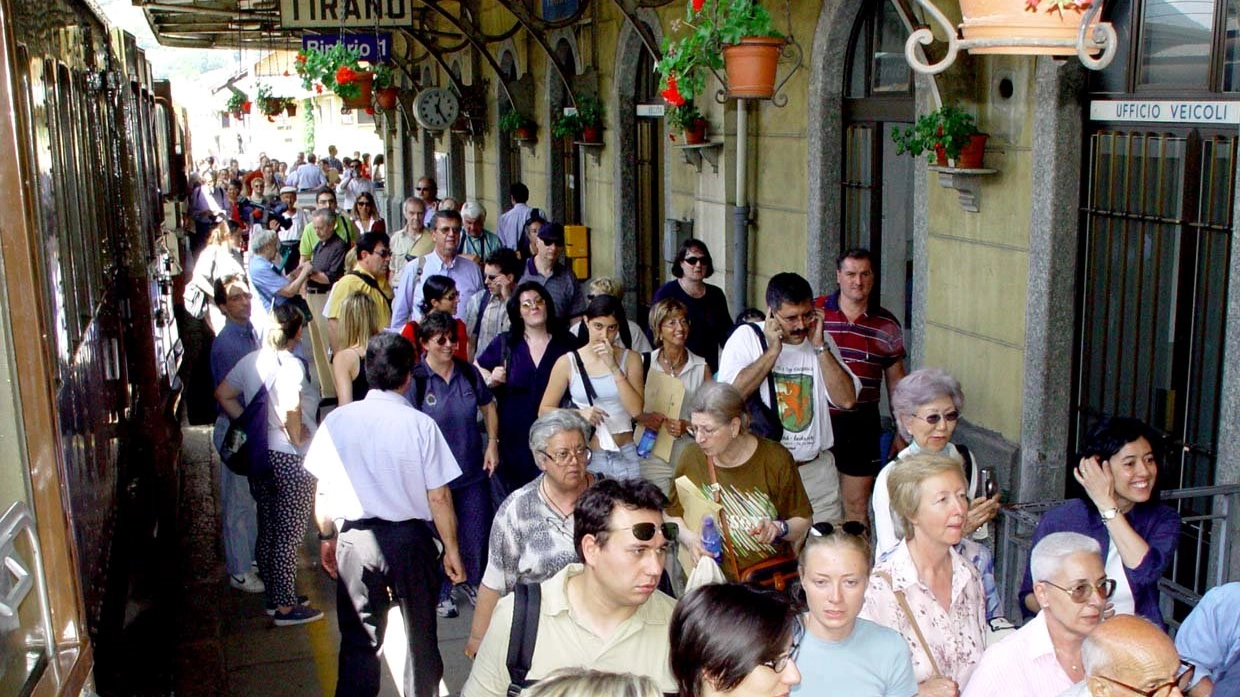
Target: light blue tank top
point(607, 396)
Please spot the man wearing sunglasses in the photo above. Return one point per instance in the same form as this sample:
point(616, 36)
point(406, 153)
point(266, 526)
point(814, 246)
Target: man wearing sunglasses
point(1043, 658)
point(369, 277)
point(809, 376)
point(1128, 656)
point(605, 613)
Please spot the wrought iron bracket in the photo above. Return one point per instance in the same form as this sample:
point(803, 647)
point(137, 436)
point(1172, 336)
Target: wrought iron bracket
point(791, 52)
point(629, 9)
point(1102, 39)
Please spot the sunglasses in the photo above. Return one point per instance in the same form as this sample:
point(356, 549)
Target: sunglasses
point(1182, 681)
point(934, 419)
point(694, 261)
point(848, 527)
point(363, 203)
point(1082, 591)
point(422, 188)
point(644, 532)
point(491, 277)
point(385, 253)
point(531, 304)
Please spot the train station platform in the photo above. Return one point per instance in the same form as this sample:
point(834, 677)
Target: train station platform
point(226, 646)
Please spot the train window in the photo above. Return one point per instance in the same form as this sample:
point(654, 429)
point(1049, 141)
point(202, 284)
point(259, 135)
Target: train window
point(60, 267)
point(162, 151)
point(74, 219)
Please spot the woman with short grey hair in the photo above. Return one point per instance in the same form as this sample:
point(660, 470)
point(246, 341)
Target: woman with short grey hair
point(532, 536)
point(926, 404)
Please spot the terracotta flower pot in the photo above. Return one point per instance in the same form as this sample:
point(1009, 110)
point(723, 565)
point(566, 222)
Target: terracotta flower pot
point(592, 134)
point(750, 66)
point(386, 97)
point(362, 100)
point(290, 109)
point(246, 106)
point(696, 133)
point(1001, 19)
point(524, 133)
point(940, 154)
point(972, 154)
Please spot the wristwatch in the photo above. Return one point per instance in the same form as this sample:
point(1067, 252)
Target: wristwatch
point(1109, 514)
point(325, 538)
point(819, 350)
point(783, 528)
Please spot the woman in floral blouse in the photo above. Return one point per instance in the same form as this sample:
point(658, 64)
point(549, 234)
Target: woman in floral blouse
point(925, 576)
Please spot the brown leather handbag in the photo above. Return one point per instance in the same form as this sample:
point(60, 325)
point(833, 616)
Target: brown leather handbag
point(777, 572)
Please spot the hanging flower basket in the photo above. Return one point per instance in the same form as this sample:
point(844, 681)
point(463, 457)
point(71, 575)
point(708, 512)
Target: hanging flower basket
point(360, 97)
point(387, 97)
point(290, 107)
point(750, 66)
point(1032, 19)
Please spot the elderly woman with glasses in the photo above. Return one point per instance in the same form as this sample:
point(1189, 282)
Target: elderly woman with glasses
point(730, 639)
point(1043, 658)
point(707, 305)
point(924, 588)
point(532, 536)
point(452, 392)
point(765, 507)
point(1118, 471)
point(841, 653)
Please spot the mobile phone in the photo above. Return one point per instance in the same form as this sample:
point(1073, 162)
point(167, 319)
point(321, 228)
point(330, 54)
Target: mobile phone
point(990, 486)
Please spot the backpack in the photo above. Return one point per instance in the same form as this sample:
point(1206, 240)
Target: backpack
point(526, 606)
point(421, 374)
point(485, 299)
point(763, 418)
point(370, 281)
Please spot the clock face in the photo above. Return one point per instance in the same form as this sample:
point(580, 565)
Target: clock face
point(436, 109)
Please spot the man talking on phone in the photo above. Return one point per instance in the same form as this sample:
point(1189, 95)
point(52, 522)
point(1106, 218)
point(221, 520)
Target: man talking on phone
point(809, 377)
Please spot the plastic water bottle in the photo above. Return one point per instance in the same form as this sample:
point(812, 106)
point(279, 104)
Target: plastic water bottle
point(646, 444)
point(712, 542)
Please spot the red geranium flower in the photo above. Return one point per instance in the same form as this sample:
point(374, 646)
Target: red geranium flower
point(697, 5)
point(345, 75)
point(301, 58)
point(672, 93)
point(285, 73)
point(370, 110)
point(318, 88)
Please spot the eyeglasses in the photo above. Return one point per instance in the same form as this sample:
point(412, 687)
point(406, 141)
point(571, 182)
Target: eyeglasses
point(531, 304)
point(934, 419)
point(1082, 591)
point(848, 527)
point(695, 430)
point(385, 253)
point(781, 661)
point(644, 532)
point(562, 457)
point(363, 203)
point(1181, 681)
point(694, 261)
point(447, 339)
point(491, 277)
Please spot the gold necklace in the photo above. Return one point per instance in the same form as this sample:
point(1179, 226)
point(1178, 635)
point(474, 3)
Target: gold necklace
point(668, 366)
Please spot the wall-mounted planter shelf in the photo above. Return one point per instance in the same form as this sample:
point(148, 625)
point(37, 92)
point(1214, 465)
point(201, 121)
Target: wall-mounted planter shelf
point(694, 154)
point(966, 182)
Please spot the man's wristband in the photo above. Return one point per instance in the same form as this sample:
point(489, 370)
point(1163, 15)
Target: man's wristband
point(326, 538)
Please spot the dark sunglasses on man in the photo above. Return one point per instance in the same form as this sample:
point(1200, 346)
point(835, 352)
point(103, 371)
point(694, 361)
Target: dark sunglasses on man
point(644, 532)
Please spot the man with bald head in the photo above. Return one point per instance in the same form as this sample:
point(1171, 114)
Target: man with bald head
point(1127, 656)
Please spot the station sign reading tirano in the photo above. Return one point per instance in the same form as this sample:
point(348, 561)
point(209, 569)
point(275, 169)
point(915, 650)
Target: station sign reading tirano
point(344, 14)
point(1221, 113)
point(370, 47)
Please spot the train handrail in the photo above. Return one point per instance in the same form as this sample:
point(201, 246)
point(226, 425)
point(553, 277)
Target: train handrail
point(19, 519)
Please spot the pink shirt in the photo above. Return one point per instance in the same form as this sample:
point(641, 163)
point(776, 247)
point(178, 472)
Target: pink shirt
point(954, 635)
point(1022, 665)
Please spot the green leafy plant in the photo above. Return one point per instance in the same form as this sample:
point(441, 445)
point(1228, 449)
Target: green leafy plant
point(269, 104)
point(512, 120)
point(567, 126)
point(683, 116)
point(384, 76)
point(337, 68)
point(589, 110)
point(948, 128)
point(711, 24)
point(237, 101)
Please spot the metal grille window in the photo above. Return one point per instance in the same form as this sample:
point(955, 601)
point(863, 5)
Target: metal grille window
point(1153, 289)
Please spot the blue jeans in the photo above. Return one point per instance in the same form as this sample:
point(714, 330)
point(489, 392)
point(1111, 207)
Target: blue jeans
point(238, 512)
point(621, 464)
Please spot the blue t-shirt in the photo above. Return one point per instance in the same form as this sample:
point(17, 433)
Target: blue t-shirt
point(454, 407)
point(872, 662)
point(267, 280)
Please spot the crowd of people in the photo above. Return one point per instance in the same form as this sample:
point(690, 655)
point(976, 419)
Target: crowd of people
point(500, 433)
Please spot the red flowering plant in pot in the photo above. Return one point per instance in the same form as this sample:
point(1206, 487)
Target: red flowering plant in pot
point(339, 69)
point(716, 28)
point(386, 91)
point(946, 134)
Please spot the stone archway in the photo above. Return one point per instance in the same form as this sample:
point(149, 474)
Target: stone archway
point(629, 50)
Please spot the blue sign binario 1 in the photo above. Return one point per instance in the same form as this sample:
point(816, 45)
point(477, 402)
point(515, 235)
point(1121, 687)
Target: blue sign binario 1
point(370, 47)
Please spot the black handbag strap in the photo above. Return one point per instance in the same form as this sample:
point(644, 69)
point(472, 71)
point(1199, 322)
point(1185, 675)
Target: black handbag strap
point(585, 379)
point(770, 379)
point(370, 281)
point(526, 606)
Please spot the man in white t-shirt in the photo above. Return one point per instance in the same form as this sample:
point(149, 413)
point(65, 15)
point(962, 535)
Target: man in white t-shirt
point(809, 374)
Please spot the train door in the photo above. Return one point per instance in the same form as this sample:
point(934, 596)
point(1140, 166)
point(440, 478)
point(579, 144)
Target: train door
point(651, 266)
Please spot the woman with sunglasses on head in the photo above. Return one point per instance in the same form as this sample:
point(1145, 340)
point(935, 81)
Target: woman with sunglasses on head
point(359, 321)
point(927, 405)
point(606, 384)
point(452, 392)
point(734, 639)
point(669, 320)
point(439, 294)
point(841, 653)
point(1118, 471)
point(366, 216)
point(707, 305)
point(765, 508)
point(517, 365)
point(1043, 658)
point(924, 588)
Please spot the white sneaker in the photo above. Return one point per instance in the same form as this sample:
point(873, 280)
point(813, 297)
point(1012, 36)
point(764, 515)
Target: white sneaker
point(248, 582)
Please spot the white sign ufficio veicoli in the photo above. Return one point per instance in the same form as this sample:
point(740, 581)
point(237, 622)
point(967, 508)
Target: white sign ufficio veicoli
point(1218, 113)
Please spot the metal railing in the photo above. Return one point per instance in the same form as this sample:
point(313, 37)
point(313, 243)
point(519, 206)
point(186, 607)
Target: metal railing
point(1201, 560)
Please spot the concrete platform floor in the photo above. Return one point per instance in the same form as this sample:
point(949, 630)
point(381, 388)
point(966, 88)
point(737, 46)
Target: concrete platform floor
point(228, 647)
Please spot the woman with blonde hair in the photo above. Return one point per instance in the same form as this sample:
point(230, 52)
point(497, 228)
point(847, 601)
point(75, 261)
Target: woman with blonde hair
point(669, 322)
point(925, 589)
point(220, 259)
point(359, 320)
point(580, 682)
